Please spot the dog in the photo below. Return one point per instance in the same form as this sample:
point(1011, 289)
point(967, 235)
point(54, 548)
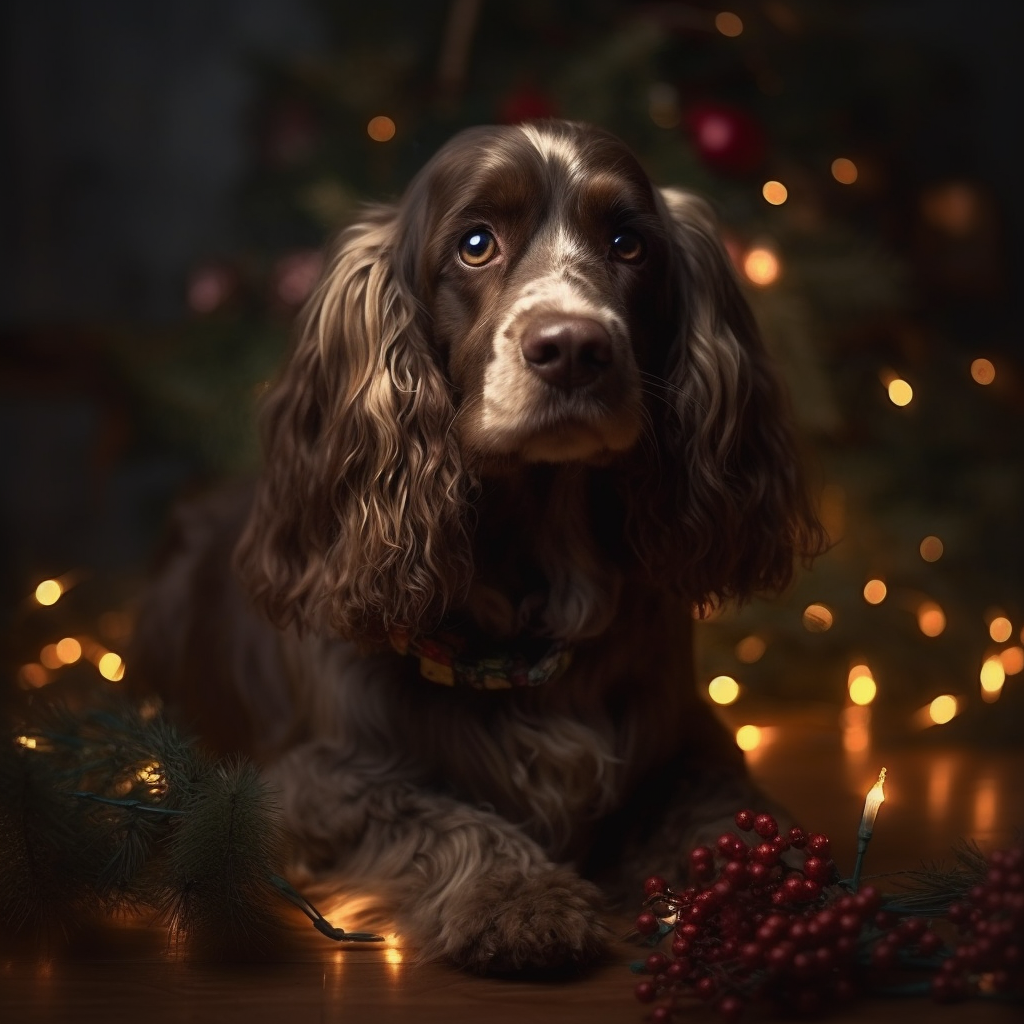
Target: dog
point(527, 431)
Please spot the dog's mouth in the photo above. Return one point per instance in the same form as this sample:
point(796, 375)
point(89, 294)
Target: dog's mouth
point(590, 440)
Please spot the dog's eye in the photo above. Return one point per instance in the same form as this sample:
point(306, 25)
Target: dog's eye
point(477, 248)
point(628, 246)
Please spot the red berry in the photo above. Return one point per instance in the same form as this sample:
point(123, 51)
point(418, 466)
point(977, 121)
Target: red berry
point(735, 871)
point(645, 992)
point(818, 869)
point(850, 924)
point(677, 970)
point(730, 1008)
point(797, 837)
point(818, 844)
point(758, 873)
point(655, 962)
point(706, 988)
point(868, 899)
point(794, 889)
point(745, 820)
point(646, 924)
point(654, 885)
point(781, 956)
point(781, 843)
point(751, 955)
point(811, 890)
point(723, 891)
point(680, 947)
point(765, 853)
point(766, 826)
point(726, 843)
point(930, 943)
point(883, 956)
point(661, 1014)
point(947, 989)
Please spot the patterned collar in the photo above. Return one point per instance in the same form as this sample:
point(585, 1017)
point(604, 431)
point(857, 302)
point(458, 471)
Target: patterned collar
point(458, 659)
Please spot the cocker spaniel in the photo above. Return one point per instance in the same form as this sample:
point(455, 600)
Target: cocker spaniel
point(526, 429)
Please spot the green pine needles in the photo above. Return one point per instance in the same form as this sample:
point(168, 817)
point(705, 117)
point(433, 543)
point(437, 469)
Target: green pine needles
point(112, 810)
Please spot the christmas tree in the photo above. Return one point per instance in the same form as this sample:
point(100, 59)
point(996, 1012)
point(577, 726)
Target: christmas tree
point(867, 274)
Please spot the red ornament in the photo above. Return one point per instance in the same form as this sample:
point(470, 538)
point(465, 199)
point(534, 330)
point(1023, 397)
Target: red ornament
point(726, 138)
point(528, 104)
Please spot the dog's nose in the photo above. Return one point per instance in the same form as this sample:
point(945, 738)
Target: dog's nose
point(569, 352)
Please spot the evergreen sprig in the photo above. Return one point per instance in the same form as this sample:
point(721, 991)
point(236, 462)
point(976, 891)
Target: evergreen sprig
point(112, 809)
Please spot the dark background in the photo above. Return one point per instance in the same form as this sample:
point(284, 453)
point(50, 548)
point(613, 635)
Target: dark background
point(147, 145)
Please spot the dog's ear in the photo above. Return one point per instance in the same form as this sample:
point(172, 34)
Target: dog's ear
point(733, 513)
point(359, 520)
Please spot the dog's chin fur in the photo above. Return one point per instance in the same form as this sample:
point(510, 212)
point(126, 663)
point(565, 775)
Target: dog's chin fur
point(425, 467)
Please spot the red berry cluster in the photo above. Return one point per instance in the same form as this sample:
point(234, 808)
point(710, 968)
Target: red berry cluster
point(753, 926)
point(989, 956)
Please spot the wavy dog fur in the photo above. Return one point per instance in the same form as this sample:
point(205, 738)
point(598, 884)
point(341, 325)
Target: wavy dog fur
point(574, 433)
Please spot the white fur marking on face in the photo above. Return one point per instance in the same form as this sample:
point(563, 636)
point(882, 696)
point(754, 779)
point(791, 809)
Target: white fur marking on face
point(509, 387)
point(554, 148)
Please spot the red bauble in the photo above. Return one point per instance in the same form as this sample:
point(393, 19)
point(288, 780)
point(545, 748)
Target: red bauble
point(527, 104)
point(726, 138)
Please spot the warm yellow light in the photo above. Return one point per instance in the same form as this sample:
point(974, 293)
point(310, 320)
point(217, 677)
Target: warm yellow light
point(381, 129)
point(151, 774)
point(862, 690)
point(49, 592)
point(1012, 660)
point(761, 266)
point(69, 650)
point(856, 726)
point(1000, 629)
point(26, 741)
point(817, 618)
point(33, 674)
point(750, 649)
point(900, 392)
point(729, 24)
point(393, 955)
point(983, 371)
point(775, 192)
point(931, 619)
point(943, 709)
point(844, 170)
point(875, 591)
point(931, 549)
point(859, 670)
point(748, 737)
point(49, 657)
point(723, 690)
point(111, 667)
point(992, 677)
point(874, 800)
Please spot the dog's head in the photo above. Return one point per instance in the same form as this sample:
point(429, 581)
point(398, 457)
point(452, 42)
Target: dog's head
point(532, 298)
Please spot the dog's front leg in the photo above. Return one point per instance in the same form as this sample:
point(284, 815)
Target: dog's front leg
point(462, 883)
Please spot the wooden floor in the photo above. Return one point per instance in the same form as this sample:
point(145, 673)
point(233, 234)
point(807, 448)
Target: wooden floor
point(935, 795)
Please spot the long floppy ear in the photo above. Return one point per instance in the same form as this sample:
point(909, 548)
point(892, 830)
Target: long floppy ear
point(734, 513)
point(359, 519)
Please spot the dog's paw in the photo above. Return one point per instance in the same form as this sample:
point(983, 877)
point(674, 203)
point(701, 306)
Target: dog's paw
point(547, 923)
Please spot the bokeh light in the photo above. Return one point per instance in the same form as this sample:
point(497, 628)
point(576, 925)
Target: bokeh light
point(818, 618)
point(931, 549)
point(943, 709)
point(381, 128)
point(49, 592)
point(931, 619)
point(775, 192)
point(111, 667)
point(862, 686)
point(729, 24)
point(875, 591)
point(748, 737)
point(983, 371)
point(761, 266)
point(844, 170)
point(1000, 629)
point(750, 649)
point(69, 650)
point(1012, 660)
point(992, 677)
point(723, 690)
point(900, 392)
